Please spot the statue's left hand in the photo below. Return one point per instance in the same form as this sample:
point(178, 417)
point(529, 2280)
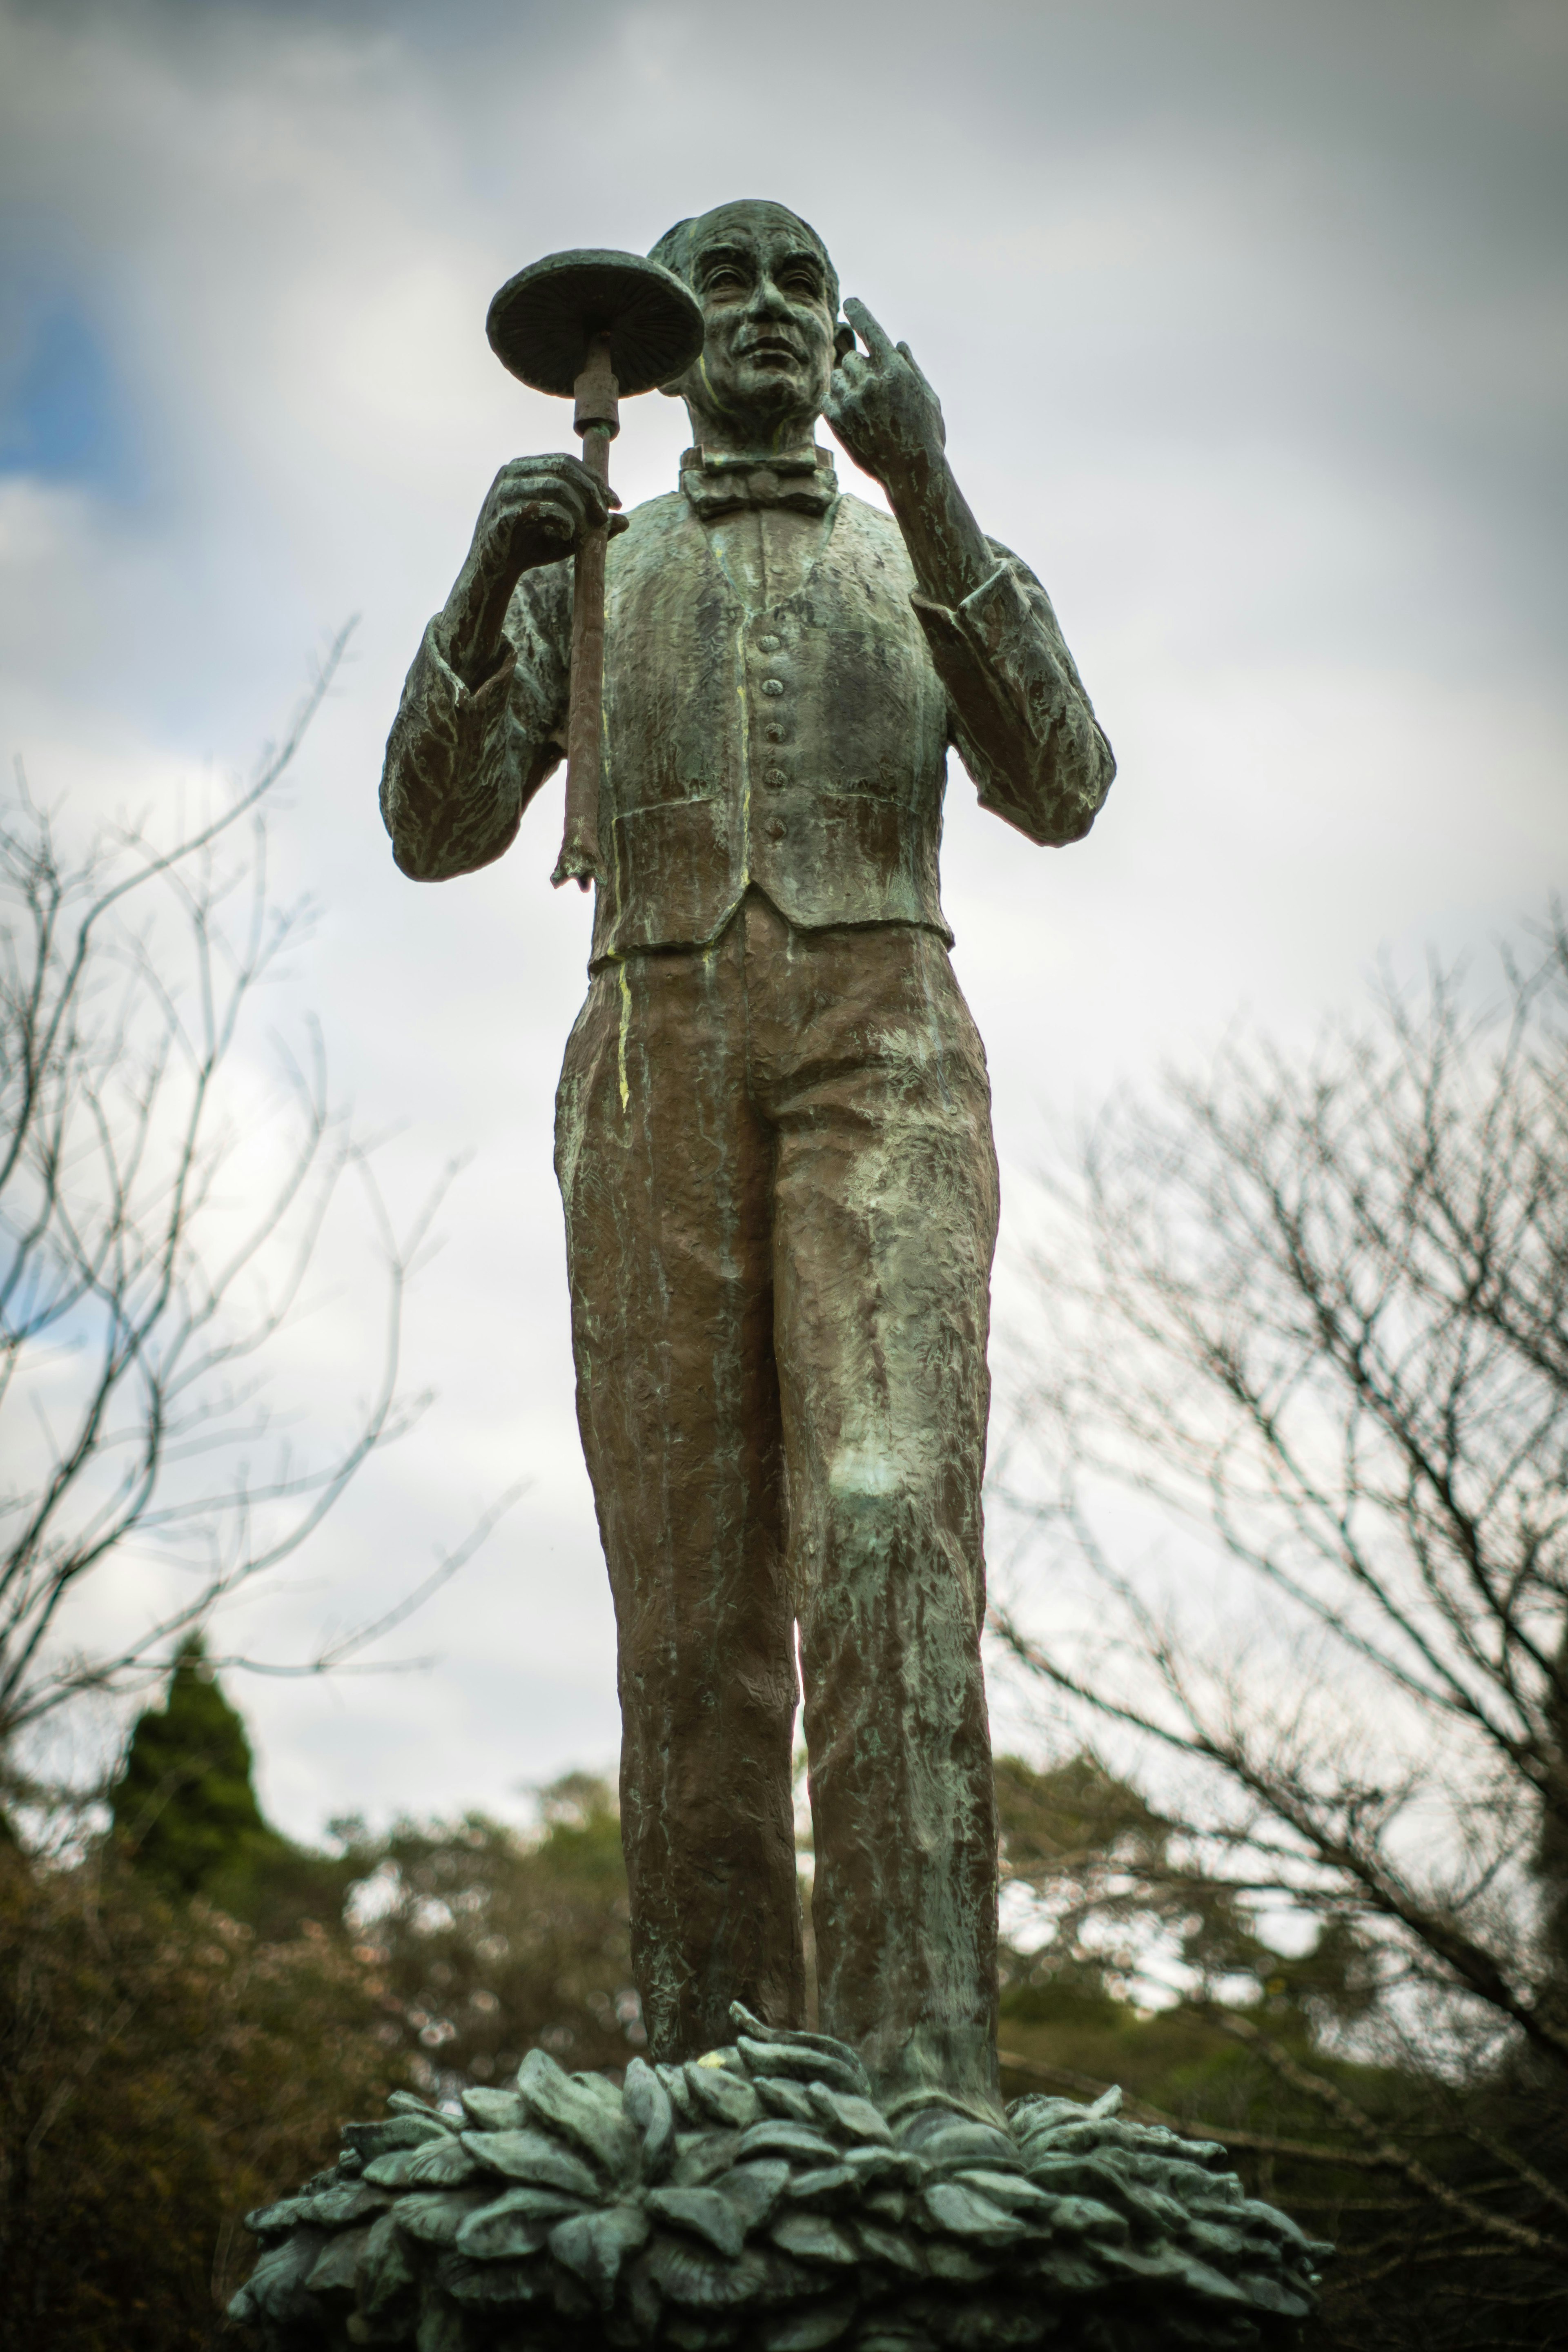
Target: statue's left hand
point(880, 406)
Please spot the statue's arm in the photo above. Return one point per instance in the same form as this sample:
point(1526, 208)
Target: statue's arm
point(463, 761)
point(1020, 717)
point(483, 716)
point(1024, 726)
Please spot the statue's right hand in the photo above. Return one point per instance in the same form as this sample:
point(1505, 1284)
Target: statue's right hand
point(535, 512)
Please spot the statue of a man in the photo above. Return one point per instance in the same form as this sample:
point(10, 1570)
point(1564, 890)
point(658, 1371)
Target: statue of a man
point(773, 1135)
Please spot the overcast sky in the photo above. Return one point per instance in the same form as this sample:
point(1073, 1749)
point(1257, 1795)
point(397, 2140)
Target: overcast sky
point(1250, 322)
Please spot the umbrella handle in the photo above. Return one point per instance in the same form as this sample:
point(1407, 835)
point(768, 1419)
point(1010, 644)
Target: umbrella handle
point(597, 419)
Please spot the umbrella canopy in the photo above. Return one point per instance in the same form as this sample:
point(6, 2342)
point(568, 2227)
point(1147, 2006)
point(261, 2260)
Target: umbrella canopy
point(542, 320)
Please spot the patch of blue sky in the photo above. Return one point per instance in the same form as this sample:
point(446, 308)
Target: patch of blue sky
point(64, 414)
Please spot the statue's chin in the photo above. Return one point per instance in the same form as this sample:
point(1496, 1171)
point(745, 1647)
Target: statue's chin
point(761, 402)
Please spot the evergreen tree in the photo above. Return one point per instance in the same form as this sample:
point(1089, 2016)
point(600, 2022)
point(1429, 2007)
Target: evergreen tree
point(186, 1815)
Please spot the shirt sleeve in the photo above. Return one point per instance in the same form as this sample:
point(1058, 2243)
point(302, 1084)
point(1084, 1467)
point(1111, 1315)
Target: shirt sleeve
point(463, 763)
point(1023, 725)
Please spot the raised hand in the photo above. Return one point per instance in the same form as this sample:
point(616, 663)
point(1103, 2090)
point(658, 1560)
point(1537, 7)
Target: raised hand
point(535, 512)
point(880, 406)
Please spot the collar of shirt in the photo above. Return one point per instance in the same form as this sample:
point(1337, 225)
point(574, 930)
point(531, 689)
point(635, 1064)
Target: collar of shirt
point(803, 481)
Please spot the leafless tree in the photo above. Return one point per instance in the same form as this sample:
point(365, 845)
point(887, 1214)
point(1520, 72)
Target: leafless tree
point(1291, 1454)
point(161, 1200)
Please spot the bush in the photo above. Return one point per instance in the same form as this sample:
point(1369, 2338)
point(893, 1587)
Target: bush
point(494, 1941)
point(163, 2069)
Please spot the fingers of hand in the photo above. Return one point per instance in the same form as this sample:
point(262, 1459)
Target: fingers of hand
point(550, 516)
point(919, 373)
point(561, 478)
point(557, 512)
point(845, 397)
point(875, 338)
point(526, 531)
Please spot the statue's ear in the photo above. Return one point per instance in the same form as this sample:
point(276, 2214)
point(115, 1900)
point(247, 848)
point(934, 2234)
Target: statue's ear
point(843, 339)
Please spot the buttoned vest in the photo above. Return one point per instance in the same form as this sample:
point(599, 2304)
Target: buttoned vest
point(802, 747)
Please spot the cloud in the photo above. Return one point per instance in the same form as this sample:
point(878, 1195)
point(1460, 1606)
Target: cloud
point(1248, 323)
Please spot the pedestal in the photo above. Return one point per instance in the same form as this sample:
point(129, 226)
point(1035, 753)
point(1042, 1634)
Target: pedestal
point(759, 2197)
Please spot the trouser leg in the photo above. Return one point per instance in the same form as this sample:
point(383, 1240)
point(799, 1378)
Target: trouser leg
point(665, 1170)
point(885, 1223)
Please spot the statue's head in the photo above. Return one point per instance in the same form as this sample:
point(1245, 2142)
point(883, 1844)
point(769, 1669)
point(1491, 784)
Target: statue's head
point(770, 301)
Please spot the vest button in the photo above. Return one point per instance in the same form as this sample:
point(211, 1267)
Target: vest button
point(775, 828)
point(776, 777)
point(773, 686)
point(769, 644)
point(773, 733)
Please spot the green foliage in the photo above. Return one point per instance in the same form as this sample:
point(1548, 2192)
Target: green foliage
point(494, 1941)
point(162, 2069)
point(1112, 1878)
point(1113, 1882)
point(184, 1804)
point(177, 2046)
point(183, 2024)
point(187, 1817)
point(1312, 1312)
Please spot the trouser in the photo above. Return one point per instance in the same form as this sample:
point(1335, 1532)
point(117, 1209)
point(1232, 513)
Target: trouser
point(779, 1188)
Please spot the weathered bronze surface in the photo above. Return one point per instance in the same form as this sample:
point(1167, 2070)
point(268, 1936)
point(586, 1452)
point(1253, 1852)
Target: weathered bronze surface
point(543, 320)
point(774, 1151)
point(596, 325)
point(773, 1135)
point(782, 1385)
point(760, 2199)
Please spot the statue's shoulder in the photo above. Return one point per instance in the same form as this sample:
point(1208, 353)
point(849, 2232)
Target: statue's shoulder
point(862, 516)
point(658, 534)
point(868, 539)
point(655, 518)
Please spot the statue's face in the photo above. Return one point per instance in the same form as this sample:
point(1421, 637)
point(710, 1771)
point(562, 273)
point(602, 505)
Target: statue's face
point(768, 353)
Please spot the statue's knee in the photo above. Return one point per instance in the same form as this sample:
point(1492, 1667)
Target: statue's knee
point(867, 1476)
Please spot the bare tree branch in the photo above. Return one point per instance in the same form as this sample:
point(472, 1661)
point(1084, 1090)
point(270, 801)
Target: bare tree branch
point(1288, 1466)
point(161, 1210)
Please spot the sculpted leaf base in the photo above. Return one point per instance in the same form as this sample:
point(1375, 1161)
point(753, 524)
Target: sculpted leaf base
point(760, 2198)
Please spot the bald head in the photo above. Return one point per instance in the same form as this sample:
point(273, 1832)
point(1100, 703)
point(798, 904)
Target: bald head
point(678, 247)
point(770, 298)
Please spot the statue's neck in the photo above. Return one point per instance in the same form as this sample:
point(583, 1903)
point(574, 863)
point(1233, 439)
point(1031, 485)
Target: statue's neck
point(758, 439)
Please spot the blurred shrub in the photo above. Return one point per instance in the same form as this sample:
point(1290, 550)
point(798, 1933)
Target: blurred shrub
point(162, 2069)
point(492, 1939)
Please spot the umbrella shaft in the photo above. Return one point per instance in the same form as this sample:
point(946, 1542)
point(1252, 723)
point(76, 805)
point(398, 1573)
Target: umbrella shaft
point(598, 422)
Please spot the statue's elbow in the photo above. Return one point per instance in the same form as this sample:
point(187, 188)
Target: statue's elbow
point(1098, 782)
point(440, 852)
point(414, 847)
point(1079, 776)
point(408, 860)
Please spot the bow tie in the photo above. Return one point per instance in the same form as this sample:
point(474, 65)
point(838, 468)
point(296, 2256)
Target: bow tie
point(805, 484)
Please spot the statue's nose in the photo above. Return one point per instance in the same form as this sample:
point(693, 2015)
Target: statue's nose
point(767, 300)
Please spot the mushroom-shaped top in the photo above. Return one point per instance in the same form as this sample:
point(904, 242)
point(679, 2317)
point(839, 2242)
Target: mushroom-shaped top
point(541, 322)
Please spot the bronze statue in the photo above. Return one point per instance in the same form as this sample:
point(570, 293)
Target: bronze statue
point(774, 1150)
point(774, 1136)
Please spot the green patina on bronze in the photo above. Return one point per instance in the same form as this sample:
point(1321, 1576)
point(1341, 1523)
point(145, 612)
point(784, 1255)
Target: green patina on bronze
point(774, 1146)
point(773, 1132)
point(760, 2198)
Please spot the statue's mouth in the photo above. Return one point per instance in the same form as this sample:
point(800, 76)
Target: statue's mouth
point(771, 347)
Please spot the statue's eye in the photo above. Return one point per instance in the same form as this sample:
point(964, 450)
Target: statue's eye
point(723, 281)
